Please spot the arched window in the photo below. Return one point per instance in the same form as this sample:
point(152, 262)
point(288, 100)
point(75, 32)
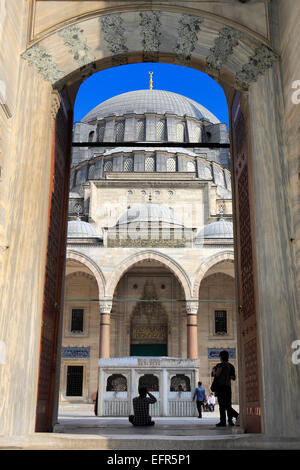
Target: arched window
point(108, 165)
point(149, 164)
point(91, 136)
point(171, 164)
point(128, 164)
point(91, 172)
point(140, 129)
point(149, 381)
point(180, 383)
point(101, 130)
point(161, 130)
point(190, 166)
point(78, 178)
point(197, 134)
point(120, 130)
point(116, 383)
point(180, 132)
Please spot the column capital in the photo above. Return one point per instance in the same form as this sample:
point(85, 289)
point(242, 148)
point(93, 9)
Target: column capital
point(105, 306)
point(192, 307)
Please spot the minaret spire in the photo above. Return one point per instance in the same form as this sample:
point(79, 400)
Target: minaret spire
point(151, 82)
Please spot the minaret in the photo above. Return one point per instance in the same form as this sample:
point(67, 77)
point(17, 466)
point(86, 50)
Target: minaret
point(151, 82)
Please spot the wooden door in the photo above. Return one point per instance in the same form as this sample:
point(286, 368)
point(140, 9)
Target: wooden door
point(55, 259)
point(246, 268)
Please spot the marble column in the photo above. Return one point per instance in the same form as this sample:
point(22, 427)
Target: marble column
point(164, 392)
point(192, 329)
point(105, 309)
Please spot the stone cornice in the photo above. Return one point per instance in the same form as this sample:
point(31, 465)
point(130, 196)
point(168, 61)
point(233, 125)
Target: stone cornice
point(168, 184)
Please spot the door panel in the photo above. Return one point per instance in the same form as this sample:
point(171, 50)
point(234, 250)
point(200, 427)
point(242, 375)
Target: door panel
point(245, 263)
point(55, 258)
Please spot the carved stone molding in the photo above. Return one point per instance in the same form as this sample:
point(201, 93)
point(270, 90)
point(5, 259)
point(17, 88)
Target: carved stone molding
point(188, 28)
point(55, 103)
point(105, 307)
point(192, 307)
point(228, 38)
point(150, 30)
point(37, 57)
point(73, 38)
point(263, 59)
point(113, 30)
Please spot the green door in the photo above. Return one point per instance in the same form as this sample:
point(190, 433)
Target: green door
point(148, 350)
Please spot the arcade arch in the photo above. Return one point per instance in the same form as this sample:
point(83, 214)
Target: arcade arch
point(150, 255)
point(80, 320)
point(218, 319)
point(91, 266)
point(149, 315)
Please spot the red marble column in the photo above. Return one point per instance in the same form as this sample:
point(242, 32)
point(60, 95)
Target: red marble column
point(105, 309)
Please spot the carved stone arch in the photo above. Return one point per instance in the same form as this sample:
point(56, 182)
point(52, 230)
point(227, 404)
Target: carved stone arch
point(92, 266)
point(165, 260)
point(189, 27)
point(206, 265)
point(76, 274)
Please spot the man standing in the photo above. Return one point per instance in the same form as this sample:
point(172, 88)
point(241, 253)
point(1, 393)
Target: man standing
point(223, 373)
point(199, 394)
point(141, 404)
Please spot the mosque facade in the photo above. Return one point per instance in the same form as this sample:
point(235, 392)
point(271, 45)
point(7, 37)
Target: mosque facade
point(149, 277)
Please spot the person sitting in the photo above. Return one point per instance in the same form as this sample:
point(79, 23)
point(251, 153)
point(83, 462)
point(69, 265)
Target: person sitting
point(211, 401)
point(141, 404)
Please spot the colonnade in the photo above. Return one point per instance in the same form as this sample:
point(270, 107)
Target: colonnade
point(192, 328)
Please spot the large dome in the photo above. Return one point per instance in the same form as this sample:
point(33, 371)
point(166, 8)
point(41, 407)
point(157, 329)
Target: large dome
point(150, 101)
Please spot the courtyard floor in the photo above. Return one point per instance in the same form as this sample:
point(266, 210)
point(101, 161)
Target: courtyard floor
point(80, 419)
point(78, 428)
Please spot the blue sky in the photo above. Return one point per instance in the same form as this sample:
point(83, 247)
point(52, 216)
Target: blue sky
point(184, 80)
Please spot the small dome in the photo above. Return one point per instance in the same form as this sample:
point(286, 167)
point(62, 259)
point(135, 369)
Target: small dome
point(220, 229)
point(149, 213)
point(80, 229)
point(150, 101)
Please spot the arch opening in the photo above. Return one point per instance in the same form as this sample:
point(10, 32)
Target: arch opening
point(73, 78)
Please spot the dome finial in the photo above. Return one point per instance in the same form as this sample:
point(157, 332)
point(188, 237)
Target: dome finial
point(151, 81)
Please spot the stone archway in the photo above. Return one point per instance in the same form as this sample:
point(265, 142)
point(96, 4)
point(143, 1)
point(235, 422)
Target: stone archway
point(87, 262)
point(142, 314)
point(206, 265)
point(149, 255)
point(60, 53)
